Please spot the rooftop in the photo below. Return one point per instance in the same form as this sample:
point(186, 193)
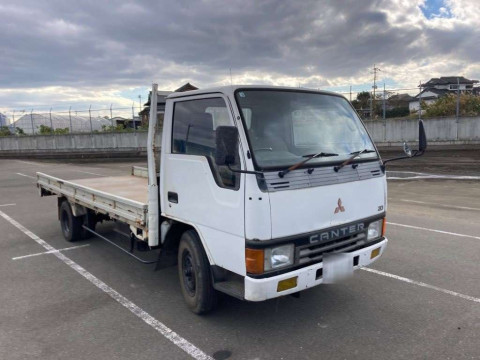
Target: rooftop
point(446, 80)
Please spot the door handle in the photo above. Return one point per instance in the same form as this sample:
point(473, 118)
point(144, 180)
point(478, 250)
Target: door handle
point(173, 197)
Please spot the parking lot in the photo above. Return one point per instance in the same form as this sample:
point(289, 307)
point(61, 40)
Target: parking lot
point(421, 300)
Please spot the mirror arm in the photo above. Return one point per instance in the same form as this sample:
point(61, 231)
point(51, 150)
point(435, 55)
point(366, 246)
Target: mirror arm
point(415, 154)
point(244, 171)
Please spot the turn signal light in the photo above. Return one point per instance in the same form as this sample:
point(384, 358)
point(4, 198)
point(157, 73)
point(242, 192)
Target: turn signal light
point(254, 261)
point(384, 227)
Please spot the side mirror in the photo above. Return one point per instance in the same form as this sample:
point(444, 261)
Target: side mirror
point(422, 146)
point(226, 139)
point(422, 137)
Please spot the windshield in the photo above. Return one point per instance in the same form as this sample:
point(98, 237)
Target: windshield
point(285, 126)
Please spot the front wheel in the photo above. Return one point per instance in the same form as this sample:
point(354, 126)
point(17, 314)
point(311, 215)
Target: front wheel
point(194, 273)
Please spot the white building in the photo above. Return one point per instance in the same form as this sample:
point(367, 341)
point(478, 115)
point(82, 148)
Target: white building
point(79, 123)
point(3, 120)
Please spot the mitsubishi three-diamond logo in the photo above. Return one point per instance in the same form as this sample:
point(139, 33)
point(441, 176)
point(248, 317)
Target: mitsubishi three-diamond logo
point(340, 207)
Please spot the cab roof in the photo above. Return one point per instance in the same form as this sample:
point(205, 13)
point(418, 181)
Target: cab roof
point(230, 90)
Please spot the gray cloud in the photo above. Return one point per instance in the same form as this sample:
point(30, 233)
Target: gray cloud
point(96, 43)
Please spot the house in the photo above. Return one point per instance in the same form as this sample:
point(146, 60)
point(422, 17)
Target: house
point(438, 87)
point(186, 87)
point(398, 101)
point(145, 113)
point(126, 123)
point(161, 98)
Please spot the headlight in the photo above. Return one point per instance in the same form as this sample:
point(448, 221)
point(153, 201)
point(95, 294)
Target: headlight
point(375, 230)
point(278, 257)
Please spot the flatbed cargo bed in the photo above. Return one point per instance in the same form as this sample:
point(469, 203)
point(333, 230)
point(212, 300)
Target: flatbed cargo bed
point(120, 197)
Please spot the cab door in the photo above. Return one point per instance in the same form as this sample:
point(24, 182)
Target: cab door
point(196, 191)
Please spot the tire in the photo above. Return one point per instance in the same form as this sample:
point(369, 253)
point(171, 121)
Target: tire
point(194, 273)
point(71, 226)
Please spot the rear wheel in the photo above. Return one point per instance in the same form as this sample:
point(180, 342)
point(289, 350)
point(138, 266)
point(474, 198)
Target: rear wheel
point(71, 225)
point(194, 273)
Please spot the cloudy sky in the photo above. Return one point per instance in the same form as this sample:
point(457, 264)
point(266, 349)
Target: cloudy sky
point(58, 53)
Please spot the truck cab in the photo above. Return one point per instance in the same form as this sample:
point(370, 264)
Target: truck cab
point(283, 188)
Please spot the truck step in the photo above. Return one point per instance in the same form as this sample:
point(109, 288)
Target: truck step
point(233, 288)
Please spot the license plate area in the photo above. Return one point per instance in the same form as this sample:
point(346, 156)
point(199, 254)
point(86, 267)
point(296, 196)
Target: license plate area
point(337, 267)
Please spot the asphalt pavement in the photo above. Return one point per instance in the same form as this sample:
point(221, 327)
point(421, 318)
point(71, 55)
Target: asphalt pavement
point(421, 300)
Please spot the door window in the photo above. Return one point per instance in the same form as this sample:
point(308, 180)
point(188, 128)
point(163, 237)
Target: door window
point(194, 125)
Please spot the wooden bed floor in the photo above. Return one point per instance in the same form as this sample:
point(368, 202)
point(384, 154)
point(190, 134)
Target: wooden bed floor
point(129, 187)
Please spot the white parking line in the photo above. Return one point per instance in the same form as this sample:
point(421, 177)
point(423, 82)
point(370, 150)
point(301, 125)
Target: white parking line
point(168, 333)
point(31, 177)
point(443, 177)
point(49, 252)
point(31, 163)
point(7, 205)
point(422, 284)
point(441, 205)
point(434, 230)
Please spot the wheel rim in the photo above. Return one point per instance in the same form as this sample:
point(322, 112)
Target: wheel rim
point(188, 272)
point(66, 228)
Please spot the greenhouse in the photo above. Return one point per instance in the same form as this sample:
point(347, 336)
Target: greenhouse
point(78, 123)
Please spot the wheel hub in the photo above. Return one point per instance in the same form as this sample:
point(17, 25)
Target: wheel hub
point(188, 273)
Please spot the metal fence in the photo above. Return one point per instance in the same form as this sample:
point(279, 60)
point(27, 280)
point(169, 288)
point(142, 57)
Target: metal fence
point(379, 103)
point(73, 121)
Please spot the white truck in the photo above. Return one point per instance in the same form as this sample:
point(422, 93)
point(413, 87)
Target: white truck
point(261, 192)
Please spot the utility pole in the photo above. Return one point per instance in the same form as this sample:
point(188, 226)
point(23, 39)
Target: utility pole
point(111, 118)
point(14, 125)
point(70, 117)
point(375, 70)
point(420, 102)
point(133, 117)
point(31, 120)
point(457, 112)
point(384, 101)
point(90, 118)
point(51, 121)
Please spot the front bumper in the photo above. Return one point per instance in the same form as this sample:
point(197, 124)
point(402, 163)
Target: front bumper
point(263, 289)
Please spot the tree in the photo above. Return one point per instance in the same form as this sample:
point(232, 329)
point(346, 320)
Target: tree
point(5, 131)
point(362, 101)
point(447, 106)
point(45, 130)
point(60, 131)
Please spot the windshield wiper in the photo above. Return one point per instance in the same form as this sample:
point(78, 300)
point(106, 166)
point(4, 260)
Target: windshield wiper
point(308, 158)
point(350, 159)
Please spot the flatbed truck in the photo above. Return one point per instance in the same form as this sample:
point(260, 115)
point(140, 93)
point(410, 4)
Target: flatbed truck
point(258, 192)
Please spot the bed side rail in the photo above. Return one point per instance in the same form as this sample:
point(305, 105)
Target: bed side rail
point(129, 211)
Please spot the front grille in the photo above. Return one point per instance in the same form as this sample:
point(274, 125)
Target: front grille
point(321, 176)
point(312, 253)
